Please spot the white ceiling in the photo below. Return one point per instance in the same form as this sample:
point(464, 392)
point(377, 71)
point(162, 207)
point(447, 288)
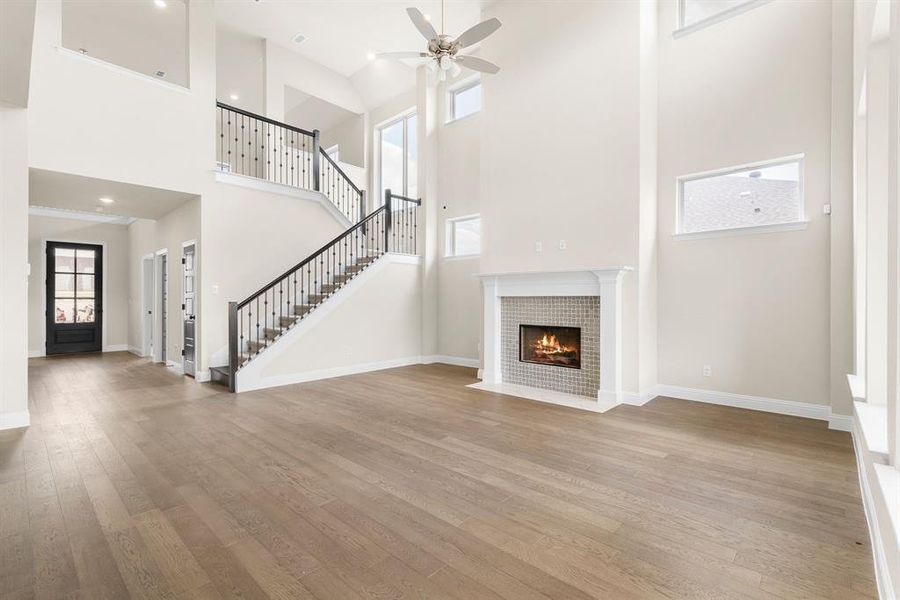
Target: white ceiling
point(324, 114)
point(340, 32)
point(137, 35)
point(72, 192)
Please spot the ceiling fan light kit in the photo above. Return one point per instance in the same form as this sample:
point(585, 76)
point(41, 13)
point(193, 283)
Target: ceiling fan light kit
point(443, 50)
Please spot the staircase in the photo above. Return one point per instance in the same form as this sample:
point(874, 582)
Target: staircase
point(259, 321)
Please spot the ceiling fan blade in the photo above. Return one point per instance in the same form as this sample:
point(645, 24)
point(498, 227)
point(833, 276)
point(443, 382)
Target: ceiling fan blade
point(475, 34)
point(421, 23)
point(401, 55)
point(478, 64)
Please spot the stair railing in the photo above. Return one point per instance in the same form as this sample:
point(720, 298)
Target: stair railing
point(256, 322)
point(256, 146)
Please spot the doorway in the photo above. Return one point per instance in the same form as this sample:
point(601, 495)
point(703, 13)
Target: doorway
point(160, 306)
point(74, 295)
point(147, 305)
point(189, 307)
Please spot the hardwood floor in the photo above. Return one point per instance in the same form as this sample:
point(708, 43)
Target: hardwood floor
point(133, 482)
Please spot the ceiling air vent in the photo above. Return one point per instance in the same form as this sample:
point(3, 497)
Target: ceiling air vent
point(299, 38)
point(161, 74)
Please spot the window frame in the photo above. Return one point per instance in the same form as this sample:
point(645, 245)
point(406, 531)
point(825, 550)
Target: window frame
point(404, 118)
point(681, 29)
point(799, 223)
point(454, 91)
point(450, 237)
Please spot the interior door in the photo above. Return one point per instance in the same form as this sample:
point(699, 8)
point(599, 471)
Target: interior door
point(74, 298)
point(188, 307)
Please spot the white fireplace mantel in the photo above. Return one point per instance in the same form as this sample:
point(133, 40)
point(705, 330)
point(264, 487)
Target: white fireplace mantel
point(605, 282)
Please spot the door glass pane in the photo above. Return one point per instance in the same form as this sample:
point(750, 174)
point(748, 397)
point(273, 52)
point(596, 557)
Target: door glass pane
point(64, 311)
point(188, 284)
point(65, 285)
point(412, 152)
point(84, 261)
point(392, 158)
point(65, 260)
point(85, 286)
point(189, 306)
point(84, 310)
point(189, 262)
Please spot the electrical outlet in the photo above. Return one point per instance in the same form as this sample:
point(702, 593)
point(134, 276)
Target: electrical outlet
point(538, 246)
point(707, 371)
point(826, 209)
point(562, 244)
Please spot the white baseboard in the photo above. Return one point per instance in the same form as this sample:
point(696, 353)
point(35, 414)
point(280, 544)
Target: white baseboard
point(116, 348)
point(292, 378)
point(840, 422)
point(886, 589)
point(136, 351)
point(14, 420)
point(36, 353)
point(820, 412)
point(638, 399)
point(202, 376)
point(458, 361)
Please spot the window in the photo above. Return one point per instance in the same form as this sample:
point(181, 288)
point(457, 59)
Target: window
point(696, 14)
point(464, 236)
point(465, 100)
point(760, 195)
point(334, 153)
point(398, 150)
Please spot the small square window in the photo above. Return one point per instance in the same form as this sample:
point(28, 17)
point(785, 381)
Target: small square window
point(465, 100)
point(464, 236)
point(764, 194)
point(697, 14)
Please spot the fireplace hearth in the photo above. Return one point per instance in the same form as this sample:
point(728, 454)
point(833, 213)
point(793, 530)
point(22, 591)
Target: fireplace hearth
point(550, 345)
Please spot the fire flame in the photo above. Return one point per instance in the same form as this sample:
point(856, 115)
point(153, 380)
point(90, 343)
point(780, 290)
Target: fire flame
point(549, 344)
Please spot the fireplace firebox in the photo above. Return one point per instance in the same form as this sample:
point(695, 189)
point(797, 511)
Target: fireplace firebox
point(550, 345)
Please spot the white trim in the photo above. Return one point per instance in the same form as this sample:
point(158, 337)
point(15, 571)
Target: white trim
point(125, 70)
point(749, 230)
point(271, 187)
point(872, 423)
point(820, 412)
point(36, 353)
point(639, 399)
point(78, 215)
point(202, 376)
point(461, 257)
point(886, 589)
point(762, 164)
point(458, 88)
point(682, 31)
point(14, 420)
point(136, 351)
point(547, 396)
point(250, 377)
point(840, 422)
point(605, 282)
point(116, 348)
point(196, 293)
point(159, 328)
point(450, 236)
point(458, 361)
point(857, 387)
point(103, 296)
point(175, 366)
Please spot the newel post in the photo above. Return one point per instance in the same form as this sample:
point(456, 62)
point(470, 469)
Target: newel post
point(388, 218)
point(316, 161)
point(232, 344)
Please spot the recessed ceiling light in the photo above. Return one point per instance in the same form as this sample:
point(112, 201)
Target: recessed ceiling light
point(107, 200)
point(427, 17)
point(160, 3)
point(299, 38)
point(370, 55)
point(234, 96)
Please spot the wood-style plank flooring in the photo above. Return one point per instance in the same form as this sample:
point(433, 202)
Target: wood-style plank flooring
point(134, 482)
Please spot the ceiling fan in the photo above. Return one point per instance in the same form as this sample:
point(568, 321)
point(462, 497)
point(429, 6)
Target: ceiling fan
point(443, 50)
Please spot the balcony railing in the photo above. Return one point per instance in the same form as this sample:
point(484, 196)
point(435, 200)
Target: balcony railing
point(259, 147)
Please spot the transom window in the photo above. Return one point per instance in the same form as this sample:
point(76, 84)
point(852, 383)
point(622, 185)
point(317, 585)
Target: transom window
point(463, 236)
point(465, 100)
point(762, 194)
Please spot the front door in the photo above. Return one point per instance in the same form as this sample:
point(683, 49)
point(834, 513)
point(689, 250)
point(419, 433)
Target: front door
point(189, 309)
point(74, 298)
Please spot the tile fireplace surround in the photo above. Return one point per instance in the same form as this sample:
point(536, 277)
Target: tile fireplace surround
point(586, 298)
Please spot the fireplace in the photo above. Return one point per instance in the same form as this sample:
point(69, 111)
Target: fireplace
point(550, 345)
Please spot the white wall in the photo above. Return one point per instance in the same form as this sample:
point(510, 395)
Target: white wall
point(459, 178)
point(755, 308)
point(114, 238)
point(560, 145)
point(249, 238)
point(147, 237)
point(91, 118)
point(350, 136)
point(13, 261)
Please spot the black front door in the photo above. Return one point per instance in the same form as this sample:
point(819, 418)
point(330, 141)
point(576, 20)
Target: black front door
point(74, 298)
